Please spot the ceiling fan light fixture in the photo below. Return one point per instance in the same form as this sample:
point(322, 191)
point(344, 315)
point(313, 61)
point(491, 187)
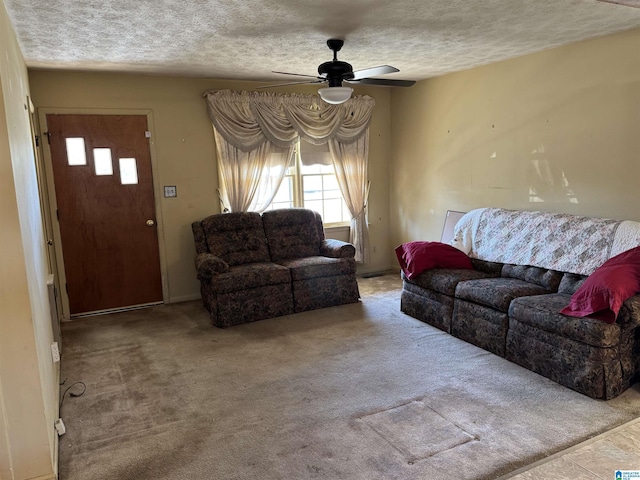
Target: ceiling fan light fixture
point(335, 95)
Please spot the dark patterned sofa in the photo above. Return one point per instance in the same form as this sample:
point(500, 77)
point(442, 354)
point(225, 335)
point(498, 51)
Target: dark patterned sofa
point(253, 266)
point(527, 265)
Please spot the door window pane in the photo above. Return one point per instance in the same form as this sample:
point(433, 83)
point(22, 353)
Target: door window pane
point(75, 151)
point(128, 171)
point(102, 161)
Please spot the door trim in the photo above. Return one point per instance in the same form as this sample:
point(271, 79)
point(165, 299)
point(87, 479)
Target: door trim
point(53, 204)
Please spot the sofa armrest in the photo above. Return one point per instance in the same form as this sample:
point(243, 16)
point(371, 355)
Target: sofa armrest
point(337, 249)
point(630, 312)
point(208, 265)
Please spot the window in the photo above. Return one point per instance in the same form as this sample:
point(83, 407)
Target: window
point(102, 161)
point(128, 171)
point(75, 151)
point(311, 183)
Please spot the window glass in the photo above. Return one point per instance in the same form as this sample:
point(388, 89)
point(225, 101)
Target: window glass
point(284, 196)
point(128, 171)
point(312, 187)
point(311, 183)
point(76, 154)
point(102, 161)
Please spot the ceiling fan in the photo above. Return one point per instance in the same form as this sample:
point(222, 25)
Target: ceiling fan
point(335, 71)
point(626, 3)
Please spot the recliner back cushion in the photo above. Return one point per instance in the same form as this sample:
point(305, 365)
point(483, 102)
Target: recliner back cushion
point(549, 279)
point(292, 233)
point(237, 238)
point(199, 237)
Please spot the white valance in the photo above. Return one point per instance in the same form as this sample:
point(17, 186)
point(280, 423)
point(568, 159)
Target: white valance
point(248, 119)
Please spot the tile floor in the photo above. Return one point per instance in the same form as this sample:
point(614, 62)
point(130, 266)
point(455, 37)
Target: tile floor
point(596, 459)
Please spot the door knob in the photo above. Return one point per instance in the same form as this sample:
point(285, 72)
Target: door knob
point(150, 223)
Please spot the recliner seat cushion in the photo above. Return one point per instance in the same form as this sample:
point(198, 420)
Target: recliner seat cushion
point(496, 293)
point(315, 267)
point(250, 275)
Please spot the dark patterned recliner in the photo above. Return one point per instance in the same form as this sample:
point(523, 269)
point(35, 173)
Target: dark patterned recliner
point(253, 267)
point(323, 272)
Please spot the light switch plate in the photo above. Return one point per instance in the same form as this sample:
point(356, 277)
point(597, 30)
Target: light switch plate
point(170, 191)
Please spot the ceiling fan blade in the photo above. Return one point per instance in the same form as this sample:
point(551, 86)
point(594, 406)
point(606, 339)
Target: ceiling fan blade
point(292, 83)
point(299, 75)
point(384, 82)
point(374, 71)
point(626, 3)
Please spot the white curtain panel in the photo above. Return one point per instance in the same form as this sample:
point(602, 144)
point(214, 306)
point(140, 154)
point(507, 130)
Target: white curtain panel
point(256, 133)
point(349, 160)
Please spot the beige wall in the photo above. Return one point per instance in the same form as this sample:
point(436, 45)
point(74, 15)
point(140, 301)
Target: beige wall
point(556, 131)
point(28, 377)
point(184, 152)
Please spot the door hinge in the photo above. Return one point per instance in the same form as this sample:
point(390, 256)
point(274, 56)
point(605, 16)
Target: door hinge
point(58, 214)
point(48, 135)
point(37, 139)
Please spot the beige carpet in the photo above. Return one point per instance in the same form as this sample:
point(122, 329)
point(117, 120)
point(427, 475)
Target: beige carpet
point(358, 391)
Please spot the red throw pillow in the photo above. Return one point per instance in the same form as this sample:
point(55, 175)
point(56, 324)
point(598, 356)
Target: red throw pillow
point(607, 288)
point(416, 257)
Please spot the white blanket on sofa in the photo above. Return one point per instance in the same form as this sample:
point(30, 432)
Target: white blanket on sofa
point(557, 241)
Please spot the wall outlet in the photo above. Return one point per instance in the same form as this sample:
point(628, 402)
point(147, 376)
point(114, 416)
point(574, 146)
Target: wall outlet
point(55, 352)
point(59, 426)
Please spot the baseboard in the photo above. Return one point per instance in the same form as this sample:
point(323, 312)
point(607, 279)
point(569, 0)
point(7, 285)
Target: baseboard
point(185, 298)
point(379, 273)
point(48, 476)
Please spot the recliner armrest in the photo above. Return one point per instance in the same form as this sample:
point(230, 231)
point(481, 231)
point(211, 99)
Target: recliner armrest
point(208, 265)
point(337, 249)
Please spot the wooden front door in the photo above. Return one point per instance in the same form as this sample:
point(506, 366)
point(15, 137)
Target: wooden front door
point(106, 210)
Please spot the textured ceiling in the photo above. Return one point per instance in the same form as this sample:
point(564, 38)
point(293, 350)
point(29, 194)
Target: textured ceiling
point(234, 39)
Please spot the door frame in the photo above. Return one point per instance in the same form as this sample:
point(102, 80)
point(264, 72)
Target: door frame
point(61, 278)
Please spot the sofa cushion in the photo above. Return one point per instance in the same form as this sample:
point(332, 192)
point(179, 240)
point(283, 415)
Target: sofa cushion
point(571, 282)
point(494, 268)
point(445, 280)
point(417, 257)
point(542, 312)
point(291, 233)
point(313, 267)
point(250, 275)
point(608, 287)
point(549, 279)
point(497, 293)
point(236, 238)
